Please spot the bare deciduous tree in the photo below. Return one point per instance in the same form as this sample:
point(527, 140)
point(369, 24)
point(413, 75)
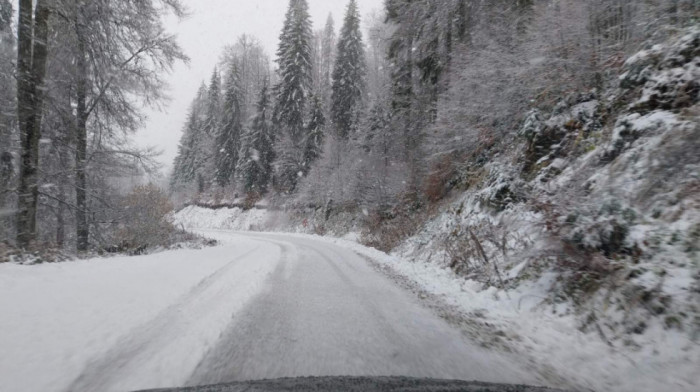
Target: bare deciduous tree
point(119, 50)
point(32, 53)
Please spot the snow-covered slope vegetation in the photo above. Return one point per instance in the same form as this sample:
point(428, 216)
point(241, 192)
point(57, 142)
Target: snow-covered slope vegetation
point(599, 203)
point(604, 191)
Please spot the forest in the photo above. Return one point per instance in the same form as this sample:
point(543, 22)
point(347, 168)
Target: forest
point(380, 119)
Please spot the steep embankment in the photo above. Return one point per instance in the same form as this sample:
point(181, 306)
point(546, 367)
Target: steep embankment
point(604, 191)
point(595, 215)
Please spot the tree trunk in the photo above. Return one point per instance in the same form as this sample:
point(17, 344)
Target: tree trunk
point(82, 223)
point(60, 220)
point(32, 52)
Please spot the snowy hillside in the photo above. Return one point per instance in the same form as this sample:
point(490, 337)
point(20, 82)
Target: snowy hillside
point(609, 203)
point(236, 219)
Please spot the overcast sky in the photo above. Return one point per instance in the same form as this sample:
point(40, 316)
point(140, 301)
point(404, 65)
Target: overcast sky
point(213, 24)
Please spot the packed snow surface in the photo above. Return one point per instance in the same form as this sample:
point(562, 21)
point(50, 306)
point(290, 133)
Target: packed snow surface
point(327, 311)
point(122, 323)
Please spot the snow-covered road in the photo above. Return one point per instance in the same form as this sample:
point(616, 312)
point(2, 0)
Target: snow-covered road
point(258, 306)
point(326, 311)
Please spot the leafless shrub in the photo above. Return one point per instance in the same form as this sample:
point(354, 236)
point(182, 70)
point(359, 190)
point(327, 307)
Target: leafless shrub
point(461, 253)
point(143, 223)
point(35, 254)
point(386, 230)
point(251, 199)
point(476, 251)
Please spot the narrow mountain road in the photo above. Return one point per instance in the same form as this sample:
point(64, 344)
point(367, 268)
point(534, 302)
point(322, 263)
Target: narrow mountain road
point(326, 312)
point(285, 306)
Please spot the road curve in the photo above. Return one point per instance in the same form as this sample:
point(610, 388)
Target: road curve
point(326, 312)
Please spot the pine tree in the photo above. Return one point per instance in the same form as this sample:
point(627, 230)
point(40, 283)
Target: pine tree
point(228, 139)
point(295, 71)
point(258, 151)
point(193, 150)
point(313, 147)
point(208, 123)
point(201, 154)
point(213, 113)
point(294, 60)
point(323, 64)
point(348, 75)
point(183, 167)
point(378, 124)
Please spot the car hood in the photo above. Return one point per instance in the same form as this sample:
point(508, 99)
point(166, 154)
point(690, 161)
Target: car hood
point(368, 384)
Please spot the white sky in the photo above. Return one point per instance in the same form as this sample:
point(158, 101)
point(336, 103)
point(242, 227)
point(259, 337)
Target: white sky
point(213, 24)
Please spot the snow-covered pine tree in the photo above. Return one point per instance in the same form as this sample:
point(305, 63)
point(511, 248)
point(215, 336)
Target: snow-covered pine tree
point(258, 153)
point(193, 153)
point(324, 58)
point(211, 126)
point(348, 75)
point(253, 69)
point(378, 125)
point(213, 113)
point(183, 167)
point(228, 139)
point(295, 72)
point(315, 135)
point(202, 152)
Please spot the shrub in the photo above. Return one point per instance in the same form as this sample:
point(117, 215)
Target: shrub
point(35, 254)
point(385, 230)
point(441, 179)
point(251, 199)
point(143, 222)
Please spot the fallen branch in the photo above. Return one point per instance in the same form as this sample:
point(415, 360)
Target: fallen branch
point(486, 259)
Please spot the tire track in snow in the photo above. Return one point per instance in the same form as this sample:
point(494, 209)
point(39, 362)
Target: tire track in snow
point(151, 354)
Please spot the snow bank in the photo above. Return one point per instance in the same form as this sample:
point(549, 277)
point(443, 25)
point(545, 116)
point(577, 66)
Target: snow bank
point(236, 219)
point(120, 323)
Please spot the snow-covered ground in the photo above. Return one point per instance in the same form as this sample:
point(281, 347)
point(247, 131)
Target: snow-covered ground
point(122, 318)
point(130, 323)
point(224, 218)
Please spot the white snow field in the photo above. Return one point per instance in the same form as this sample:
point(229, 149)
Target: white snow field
point(134, 322)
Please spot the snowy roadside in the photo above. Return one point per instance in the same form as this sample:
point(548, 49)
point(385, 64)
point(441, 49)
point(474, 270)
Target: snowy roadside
point(517, 320)
point(111, 324)
point(550, 342)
